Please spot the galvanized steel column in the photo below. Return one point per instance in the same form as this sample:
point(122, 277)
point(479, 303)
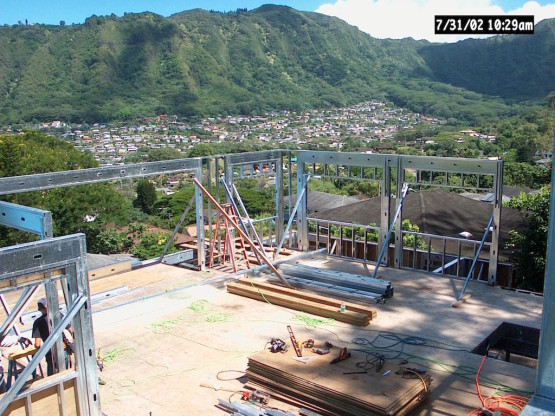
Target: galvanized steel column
point(497, 204)
point(302, 212)
point(201, 246)
point(279, 197)
point(385, 196)
point(398, 261)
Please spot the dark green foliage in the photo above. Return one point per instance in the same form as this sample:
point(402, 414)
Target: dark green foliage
point(106, 240)
point(152, 245)
point(525, 175)
point(37, 153)
point(173, 206)
point(200, 63)
point(146, 196)
point(257, 199)
point(530, 248)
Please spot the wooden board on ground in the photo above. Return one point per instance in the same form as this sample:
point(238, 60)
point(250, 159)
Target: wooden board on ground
point(324, 388)
point(324, 300)
point(299, 304)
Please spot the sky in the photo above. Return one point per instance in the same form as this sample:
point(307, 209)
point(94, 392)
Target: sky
point(382, 19)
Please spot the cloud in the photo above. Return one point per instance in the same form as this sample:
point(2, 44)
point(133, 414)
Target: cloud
point(399, 19)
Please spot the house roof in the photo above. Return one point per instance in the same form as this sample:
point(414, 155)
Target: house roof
point(435, 212)
point(322, 201)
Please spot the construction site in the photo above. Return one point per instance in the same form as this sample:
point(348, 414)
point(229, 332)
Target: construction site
point(306, 312)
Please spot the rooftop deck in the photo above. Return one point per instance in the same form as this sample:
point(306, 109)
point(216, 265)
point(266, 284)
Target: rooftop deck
point(158, 350)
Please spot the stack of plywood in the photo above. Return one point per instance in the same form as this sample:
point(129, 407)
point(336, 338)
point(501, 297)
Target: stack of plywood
point(302, 301)
point(324, 388)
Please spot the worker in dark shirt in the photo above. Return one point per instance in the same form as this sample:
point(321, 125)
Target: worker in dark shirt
point(41, 332)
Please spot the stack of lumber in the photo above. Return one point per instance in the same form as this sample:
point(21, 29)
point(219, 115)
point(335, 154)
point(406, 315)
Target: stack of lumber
point(302, 301)
point(325, 389)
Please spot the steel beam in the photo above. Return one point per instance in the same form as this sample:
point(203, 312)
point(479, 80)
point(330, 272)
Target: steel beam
point(41, 181)
point(496, 223)
point(40, 256)
point(237, 159)
point(450, 164)
point(32, 220)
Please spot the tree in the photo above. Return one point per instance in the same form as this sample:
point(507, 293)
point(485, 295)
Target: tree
point(146, 196)
point(152, 245)
point(530, 247)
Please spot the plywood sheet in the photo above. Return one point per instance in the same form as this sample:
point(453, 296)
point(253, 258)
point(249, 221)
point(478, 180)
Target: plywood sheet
point(325, 386)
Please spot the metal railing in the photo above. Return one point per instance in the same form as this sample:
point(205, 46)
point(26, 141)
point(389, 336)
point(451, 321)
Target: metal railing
point(429, 252)
point(346, 232)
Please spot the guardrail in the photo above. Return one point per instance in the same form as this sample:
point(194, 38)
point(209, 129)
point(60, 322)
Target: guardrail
point(428, 252)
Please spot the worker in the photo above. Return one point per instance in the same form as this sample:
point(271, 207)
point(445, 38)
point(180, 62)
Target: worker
point(41, 332)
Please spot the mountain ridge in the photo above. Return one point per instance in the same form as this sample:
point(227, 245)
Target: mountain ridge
point(199, 62)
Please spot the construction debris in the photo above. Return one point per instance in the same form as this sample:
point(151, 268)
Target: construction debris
point(307, 302)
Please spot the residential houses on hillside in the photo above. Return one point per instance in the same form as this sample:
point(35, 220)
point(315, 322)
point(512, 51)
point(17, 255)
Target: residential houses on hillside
point(112, 143)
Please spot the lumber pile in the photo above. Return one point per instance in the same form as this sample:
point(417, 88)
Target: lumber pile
point(326, 390)
point(302, 301)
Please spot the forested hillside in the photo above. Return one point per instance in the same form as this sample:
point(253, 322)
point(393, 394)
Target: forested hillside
point(514, 67)
point(206, 63)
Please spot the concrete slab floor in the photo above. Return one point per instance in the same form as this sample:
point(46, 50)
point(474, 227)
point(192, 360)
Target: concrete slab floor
point(157, 351)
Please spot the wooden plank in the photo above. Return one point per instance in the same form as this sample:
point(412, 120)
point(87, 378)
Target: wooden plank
point(29, 351)
point(351, 317)
point(324, 300)
point(30, 278)
point(124, 266)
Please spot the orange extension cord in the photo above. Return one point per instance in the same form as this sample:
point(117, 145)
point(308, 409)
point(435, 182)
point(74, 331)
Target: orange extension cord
point(497, 403)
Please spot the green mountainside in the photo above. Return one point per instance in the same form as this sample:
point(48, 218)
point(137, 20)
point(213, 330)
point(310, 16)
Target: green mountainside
point(517, 67)
point(206, 63)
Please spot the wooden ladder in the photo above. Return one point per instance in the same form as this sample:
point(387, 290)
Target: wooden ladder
point(226, 248)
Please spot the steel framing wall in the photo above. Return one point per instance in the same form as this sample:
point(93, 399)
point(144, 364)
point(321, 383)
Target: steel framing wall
point(27, 266)
point(391, 173)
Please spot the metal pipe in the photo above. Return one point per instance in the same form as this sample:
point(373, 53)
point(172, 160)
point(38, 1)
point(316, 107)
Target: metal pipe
point(386, 242)
point(486, 232)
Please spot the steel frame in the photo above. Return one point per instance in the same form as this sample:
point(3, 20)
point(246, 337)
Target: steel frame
point(395, 171)
point(390, 171)
point(269, 157)
point(27, 266)
point(42, 181)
